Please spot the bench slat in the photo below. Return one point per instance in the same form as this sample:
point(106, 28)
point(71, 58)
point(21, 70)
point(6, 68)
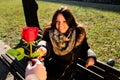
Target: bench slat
point(103, 70)
point(15, 68)
point(94, 75)
point(108, 68)
point(21, 64)
point(106, 75)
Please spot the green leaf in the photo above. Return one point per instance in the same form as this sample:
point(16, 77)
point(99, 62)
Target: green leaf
point(12, 52)
point(35, 54)
point(20, 50)
point(17, 53)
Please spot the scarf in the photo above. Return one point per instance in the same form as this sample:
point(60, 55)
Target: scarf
point(62, 44)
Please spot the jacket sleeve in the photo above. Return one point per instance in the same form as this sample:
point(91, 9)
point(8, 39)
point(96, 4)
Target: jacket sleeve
point(91, 53)
point(44, 43)
point(87, 51)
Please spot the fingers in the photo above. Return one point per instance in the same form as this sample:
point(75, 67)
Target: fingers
point(40, 58)
point(29, 65)
point(36, 61)
point(36, 67)
point(90, 62)
point(42, 51)
point(33, 63)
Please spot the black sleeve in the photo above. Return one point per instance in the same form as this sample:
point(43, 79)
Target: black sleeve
point(84, 47)
point(88, 52)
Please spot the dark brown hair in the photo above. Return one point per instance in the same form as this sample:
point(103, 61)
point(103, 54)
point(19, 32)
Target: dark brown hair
point(70, 19)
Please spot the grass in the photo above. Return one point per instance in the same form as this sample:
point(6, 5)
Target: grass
point(102, 21)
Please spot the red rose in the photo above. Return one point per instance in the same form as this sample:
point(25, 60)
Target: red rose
point(29, 34)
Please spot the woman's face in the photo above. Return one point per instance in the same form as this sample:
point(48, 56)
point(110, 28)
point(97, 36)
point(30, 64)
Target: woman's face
point(61, 24)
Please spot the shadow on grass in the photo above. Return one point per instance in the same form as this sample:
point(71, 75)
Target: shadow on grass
point(105, 7)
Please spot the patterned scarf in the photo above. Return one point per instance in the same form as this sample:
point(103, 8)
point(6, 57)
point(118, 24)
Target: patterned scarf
point(62, 44)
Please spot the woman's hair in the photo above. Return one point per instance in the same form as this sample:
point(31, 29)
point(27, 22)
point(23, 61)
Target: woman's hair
point(70, 19)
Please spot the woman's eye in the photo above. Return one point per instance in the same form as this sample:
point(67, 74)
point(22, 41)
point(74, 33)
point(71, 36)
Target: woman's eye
point(57, 21)
point(65, 22)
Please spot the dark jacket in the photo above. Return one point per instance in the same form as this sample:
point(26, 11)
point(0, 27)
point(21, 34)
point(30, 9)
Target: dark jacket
point(55, 64)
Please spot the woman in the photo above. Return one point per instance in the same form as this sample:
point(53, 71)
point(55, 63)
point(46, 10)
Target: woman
point(64, 41)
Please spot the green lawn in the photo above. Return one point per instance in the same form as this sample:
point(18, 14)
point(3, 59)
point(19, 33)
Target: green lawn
point(102, 22)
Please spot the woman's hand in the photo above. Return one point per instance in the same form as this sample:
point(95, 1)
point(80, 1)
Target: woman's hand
point(90, 62)
point(43, 52)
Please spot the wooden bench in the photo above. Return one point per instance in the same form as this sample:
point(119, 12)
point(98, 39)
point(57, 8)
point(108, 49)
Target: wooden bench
point(100, 71)
point(17, 68)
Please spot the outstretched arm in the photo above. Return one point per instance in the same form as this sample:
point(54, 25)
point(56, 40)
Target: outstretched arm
point(35, 70)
